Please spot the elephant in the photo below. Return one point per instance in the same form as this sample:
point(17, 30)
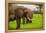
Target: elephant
point(21, 13)
point(29, 15)
point(18, 13)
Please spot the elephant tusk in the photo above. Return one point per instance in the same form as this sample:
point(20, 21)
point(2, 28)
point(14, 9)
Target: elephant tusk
point(29, 18)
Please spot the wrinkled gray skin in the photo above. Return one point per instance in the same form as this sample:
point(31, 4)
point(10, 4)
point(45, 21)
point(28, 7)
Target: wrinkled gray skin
point(19, 13)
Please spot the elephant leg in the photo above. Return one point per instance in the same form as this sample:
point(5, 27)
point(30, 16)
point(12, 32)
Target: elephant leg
point(23, 20)
point(18, 23)
point(30, 21)
point(27, 21)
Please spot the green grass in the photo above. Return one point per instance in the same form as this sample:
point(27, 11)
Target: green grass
point(36, 23)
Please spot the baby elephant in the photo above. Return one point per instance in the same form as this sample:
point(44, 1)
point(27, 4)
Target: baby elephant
point(28, 15)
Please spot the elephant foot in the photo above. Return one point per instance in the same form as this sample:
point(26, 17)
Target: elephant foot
point(23, 23)
point(30, 22)
point(26, 22)
point(17, 28)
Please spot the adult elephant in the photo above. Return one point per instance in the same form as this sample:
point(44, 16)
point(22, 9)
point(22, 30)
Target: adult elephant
point(21, 13)
point(16, 13)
